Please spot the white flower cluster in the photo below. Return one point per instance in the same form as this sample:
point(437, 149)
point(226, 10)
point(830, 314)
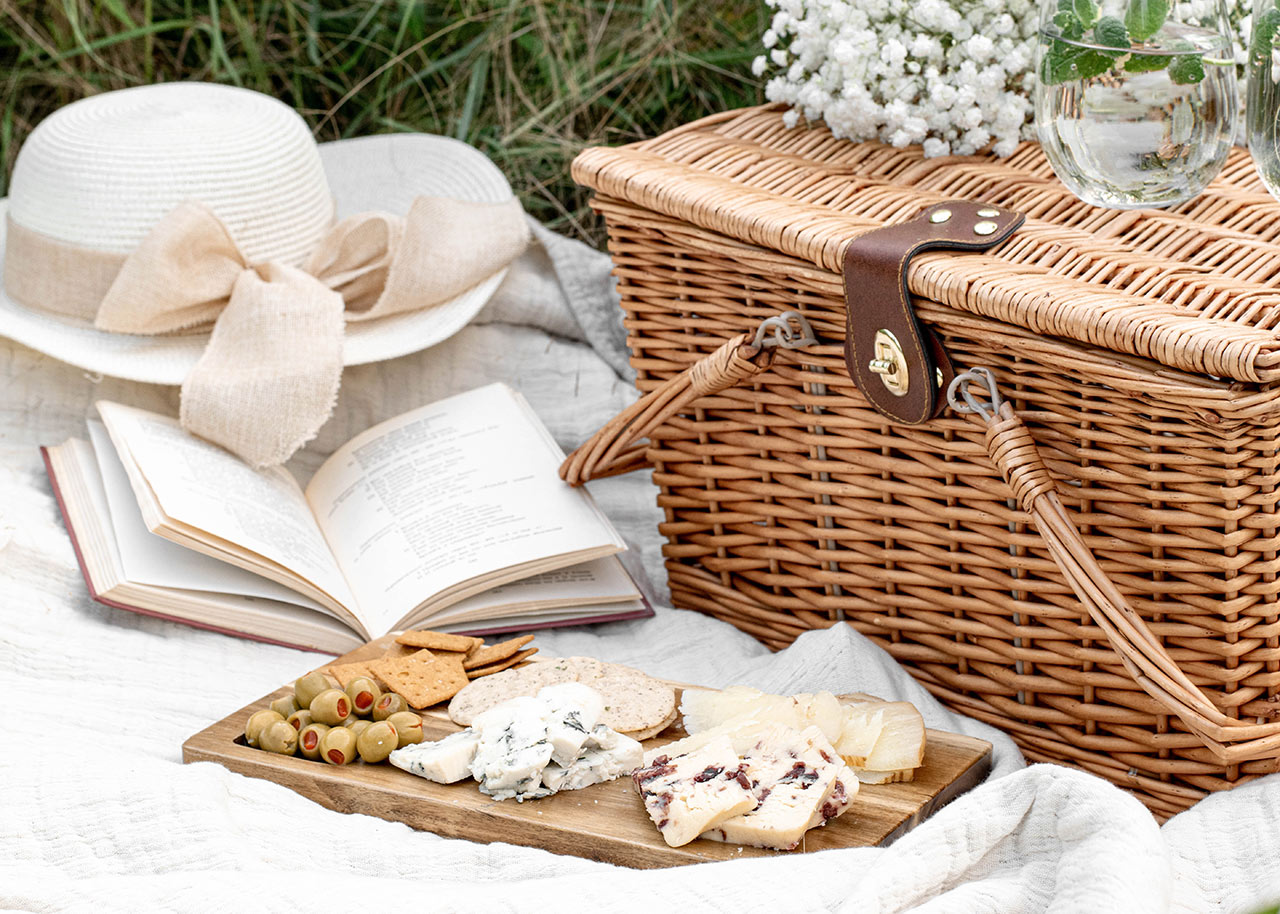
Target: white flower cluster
point(952, 75)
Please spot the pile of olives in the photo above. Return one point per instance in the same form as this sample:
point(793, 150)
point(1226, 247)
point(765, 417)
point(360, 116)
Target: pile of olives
point(337, 725)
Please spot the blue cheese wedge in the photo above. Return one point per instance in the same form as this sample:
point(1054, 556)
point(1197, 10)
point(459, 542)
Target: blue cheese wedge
point(573, 710)
point(445, 761)
point(800, 782)
point(597, 763)
point(513, 750)
point(688, 794)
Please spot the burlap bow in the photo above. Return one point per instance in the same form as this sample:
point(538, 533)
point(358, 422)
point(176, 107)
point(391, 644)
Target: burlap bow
point(269, 377)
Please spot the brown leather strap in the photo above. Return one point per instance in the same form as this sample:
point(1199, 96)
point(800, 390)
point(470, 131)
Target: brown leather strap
point(877, 301)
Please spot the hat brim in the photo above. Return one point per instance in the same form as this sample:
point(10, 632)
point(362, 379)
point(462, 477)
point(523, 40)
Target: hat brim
point(367, 173)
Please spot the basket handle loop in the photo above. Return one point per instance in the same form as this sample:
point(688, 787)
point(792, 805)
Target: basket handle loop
point(613, 449)
point(1013, 451)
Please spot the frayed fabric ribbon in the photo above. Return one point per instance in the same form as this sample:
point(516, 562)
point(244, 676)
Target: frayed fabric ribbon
point(269, 376)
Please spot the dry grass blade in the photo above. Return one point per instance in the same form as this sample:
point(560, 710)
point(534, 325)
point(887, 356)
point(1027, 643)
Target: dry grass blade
point(529, 83)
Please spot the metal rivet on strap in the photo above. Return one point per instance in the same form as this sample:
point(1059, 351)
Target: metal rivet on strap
point(985, 228)
point(988, 213)
point(940, 215)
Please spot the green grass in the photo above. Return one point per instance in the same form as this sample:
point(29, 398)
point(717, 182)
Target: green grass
point(529, 83)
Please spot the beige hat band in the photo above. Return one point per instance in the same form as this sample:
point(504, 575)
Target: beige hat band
point(269, 376)
point(44, 274)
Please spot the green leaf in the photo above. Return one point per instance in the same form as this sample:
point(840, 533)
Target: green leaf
point(1064, 63)
point(1146, 63)
point(1143, 18)
point(1187, 69)
point(1111, 33)
point(1069, 25)
point(1264, 32)
point(1086, 11)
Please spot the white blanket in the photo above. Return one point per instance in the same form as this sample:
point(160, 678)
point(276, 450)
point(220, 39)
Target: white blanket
point(98, 813)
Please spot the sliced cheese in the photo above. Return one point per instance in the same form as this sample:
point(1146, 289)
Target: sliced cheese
point(862, 727)
point(799, 782)
point(688, 794)
point(900, 745)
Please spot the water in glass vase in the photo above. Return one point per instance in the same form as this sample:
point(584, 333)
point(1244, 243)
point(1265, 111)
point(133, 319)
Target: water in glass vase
point(1137, 126)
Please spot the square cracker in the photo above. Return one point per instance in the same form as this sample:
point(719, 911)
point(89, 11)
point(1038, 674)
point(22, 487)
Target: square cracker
point(345, 672)
point(493, 653)
point(422, 681)
point(501, 665)
point(396, 651)
point(439, 641)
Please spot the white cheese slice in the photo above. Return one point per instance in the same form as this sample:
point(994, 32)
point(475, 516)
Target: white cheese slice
point(572, 710)
point(444, 761)
point(688, 794)
point(513, 749)
point(596, 764)
point(800, 782)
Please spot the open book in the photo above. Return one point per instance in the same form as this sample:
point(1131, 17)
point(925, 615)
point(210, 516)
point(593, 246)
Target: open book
point(450, 516)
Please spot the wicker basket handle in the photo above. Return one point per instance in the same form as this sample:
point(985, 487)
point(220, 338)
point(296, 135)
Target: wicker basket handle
point(1014, 452)
point(614, 449)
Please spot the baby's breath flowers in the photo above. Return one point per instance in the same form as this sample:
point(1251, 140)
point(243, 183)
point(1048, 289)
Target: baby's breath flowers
point(954, 76)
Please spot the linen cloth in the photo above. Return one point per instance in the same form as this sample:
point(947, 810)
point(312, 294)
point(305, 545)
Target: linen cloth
point(97, 812)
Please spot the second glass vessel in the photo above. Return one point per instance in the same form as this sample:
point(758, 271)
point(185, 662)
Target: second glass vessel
point(1135, 106)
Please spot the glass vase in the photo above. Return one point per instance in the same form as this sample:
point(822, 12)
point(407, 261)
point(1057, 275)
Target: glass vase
point(1135, 100)
point(1263, 104)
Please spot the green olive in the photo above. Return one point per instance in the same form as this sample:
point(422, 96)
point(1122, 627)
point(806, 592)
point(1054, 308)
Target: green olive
point(279, 737)
point(257, 721)
point(363, 692)
point(408, 727)
point(338, 746)
point(376, 742)
point(389, 704)
point(285, 706)
point(331, 707)
point(309, 686)
point(356, 725)
point(300, 719)
point(309, 740)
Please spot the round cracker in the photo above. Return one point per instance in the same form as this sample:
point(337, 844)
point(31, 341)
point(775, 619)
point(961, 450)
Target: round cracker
point(481, 694)
point(633, 701)
point(641, 735)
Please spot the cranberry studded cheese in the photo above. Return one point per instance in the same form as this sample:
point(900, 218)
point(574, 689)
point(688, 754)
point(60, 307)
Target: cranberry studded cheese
point(799, 782)
point(689, 794)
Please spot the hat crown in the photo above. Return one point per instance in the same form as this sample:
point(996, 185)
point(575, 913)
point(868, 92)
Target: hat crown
point(102, 171)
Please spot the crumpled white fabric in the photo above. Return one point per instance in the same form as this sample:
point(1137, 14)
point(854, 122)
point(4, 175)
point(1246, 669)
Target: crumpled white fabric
point(97, 813)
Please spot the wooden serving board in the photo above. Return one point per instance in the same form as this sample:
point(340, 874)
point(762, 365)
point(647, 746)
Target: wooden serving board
point(604, 822)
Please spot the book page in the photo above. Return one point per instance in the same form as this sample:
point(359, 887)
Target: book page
point(445, 493)
point(204, 487)
point(597, 581)
point(154, 561)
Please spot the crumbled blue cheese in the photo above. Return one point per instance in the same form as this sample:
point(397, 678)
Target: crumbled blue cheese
point(572, 711)
point(444, 761)
point(596, 764)
point(513, 749)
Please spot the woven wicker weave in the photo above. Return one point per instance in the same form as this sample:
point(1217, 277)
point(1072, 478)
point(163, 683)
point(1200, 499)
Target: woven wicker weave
point(1140, 349)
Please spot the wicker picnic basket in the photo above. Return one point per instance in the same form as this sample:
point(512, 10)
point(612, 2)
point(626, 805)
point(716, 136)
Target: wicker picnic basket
point(1092, 566)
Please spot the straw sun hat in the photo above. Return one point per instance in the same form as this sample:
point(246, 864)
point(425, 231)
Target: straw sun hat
point(195, 234)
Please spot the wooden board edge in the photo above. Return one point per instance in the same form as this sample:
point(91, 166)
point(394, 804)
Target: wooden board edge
point(968, 779)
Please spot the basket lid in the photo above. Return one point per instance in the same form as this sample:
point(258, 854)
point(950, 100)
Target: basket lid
point(1195, 288)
